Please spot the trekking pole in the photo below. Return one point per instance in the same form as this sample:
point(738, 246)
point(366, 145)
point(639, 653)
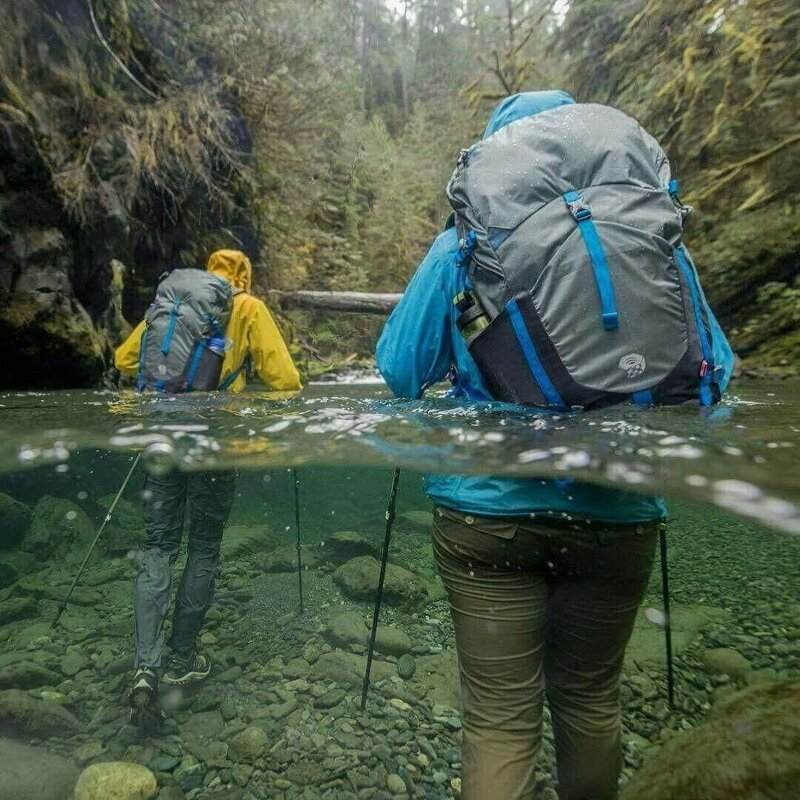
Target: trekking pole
point(296, 484)
point(390, 508)
point(62, 608)
point(662, 540)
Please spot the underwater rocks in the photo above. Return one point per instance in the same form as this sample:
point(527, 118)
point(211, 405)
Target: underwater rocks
point(358, 579)
point(22, 712)
point(14, 520)
point(18, 608)
point(348, 669)
point(347, 628)
point(248, 745)
point(126, 529)
point(57, 530)
point(247, 540)
point(748, 750)
point(284, 559)
point(31, 773)
point(116, 780)
point(726, 661)
point(27, 675)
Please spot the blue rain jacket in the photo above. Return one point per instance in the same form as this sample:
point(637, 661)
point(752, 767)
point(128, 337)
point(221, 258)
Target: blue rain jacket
point(421, 342)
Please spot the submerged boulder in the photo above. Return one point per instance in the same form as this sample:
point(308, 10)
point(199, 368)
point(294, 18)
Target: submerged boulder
point(58, 529)
point(284, 559)
point(20, 711)
point(31, 773)
point(748, 750)
point(126, 528)
point(116, 780)
point(27, 675)
point(14, 520)
point(346, 628)
point(344, 545)
point(18, 608)
point(347, 669)
point(358, 578)
point(246, 540)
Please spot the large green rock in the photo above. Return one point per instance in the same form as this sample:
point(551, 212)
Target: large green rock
point(27, 675)
point(14, 520)
point(59, 530)
point(20, 711)
point(125, 530)
point(18, 608)
point(749, 750)
point(347, 669)
point(116, 780)
point(344, 545)
point(31, 773)
point(358, 578)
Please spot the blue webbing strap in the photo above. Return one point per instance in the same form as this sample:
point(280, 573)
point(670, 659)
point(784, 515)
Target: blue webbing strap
point(173, 321)
point(582, 215)
point(707, 370)
point(140, 382)
point(643, 398)
point(529, 351)
point(228, 382)
point(198, 351)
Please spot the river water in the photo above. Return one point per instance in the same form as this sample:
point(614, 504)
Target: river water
point(730, 477)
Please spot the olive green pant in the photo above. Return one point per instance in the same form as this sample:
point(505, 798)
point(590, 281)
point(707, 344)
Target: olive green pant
point(541, 610)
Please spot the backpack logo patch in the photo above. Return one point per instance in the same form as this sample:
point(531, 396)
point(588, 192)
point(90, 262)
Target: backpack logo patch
point(633, 364)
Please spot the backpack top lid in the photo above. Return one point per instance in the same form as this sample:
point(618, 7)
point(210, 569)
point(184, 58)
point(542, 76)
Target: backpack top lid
point(524, 169)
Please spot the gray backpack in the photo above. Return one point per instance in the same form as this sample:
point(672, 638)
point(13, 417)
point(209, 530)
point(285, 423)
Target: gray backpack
point(580, 290)
point(183, 345)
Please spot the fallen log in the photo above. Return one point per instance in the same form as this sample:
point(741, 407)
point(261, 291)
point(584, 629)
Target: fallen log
point(348, 302)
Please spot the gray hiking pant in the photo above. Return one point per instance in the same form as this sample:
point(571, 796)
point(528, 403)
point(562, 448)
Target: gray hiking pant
point(203, 502)
point(541, 610)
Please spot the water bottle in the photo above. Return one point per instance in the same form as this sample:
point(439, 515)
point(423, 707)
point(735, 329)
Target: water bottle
point(209, 367)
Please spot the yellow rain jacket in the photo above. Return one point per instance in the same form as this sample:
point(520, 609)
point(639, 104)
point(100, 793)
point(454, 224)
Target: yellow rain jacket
point(251, 329)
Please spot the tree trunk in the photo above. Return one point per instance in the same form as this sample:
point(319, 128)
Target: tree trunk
point(348, 302)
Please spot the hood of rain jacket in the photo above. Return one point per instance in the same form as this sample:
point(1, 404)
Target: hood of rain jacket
point(234, 266)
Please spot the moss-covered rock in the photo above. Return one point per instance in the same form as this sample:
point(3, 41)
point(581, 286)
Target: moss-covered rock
point(59, 529)
point(358, 579)
point(14, 520)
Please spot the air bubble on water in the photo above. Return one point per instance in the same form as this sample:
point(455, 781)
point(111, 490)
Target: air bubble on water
point(61, 468)
point(471, 574)
point(266, 478)
point(82, 495)
point(288, 527)
point(698, 481)
point(71, 515)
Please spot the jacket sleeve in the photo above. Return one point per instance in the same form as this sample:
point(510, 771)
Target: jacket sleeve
point(415, 348)
point(126, 356)
point(268, 352)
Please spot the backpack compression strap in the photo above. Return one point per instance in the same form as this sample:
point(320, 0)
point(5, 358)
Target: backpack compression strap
point(582, 215)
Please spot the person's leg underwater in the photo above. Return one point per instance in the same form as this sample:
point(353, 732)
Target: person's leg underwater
point(165, 503)
point(210, 498)
point(497, 597)
point(596, 587)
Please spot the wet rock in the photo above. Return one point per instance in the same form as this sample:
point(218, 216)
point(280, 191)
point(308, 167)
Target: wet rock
point(14, 520)
point(395, 784)
point(358, 578)
point(726, 661)
point(27, 675)
point(345, 545)
point(330, 699)
point(73, 663)
point(17, 608)
point(89, 751)
point(406, 666)
point(246, 540)
point(104, 575)
point(348, 668)
point(203, 725)
point(59, 530)
point(392, 641)
point(749, 750)
point(248, 745)
point(284, 559)
point(116, 780)
point(8, 574)
point(35, 717)
point(346, 628)
point(126, 528)
point(296, 668)
point(31, 773)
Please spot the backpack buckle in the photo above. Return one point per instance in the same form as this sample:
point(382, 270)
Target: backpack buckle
point(579, 209)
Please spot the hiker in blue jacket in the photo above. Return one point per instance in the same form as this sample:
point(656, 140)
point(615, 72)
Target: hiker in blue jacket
point(542, 602)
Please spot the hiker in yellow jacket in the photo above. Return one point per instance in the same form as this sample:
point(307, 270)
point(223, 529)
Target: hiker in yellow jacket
point(251, 329)
point(199, 502)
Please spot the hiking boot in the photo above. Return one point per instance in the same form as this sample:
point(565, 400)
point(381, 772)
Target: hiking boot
point(187, 669)
point(143, 698)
